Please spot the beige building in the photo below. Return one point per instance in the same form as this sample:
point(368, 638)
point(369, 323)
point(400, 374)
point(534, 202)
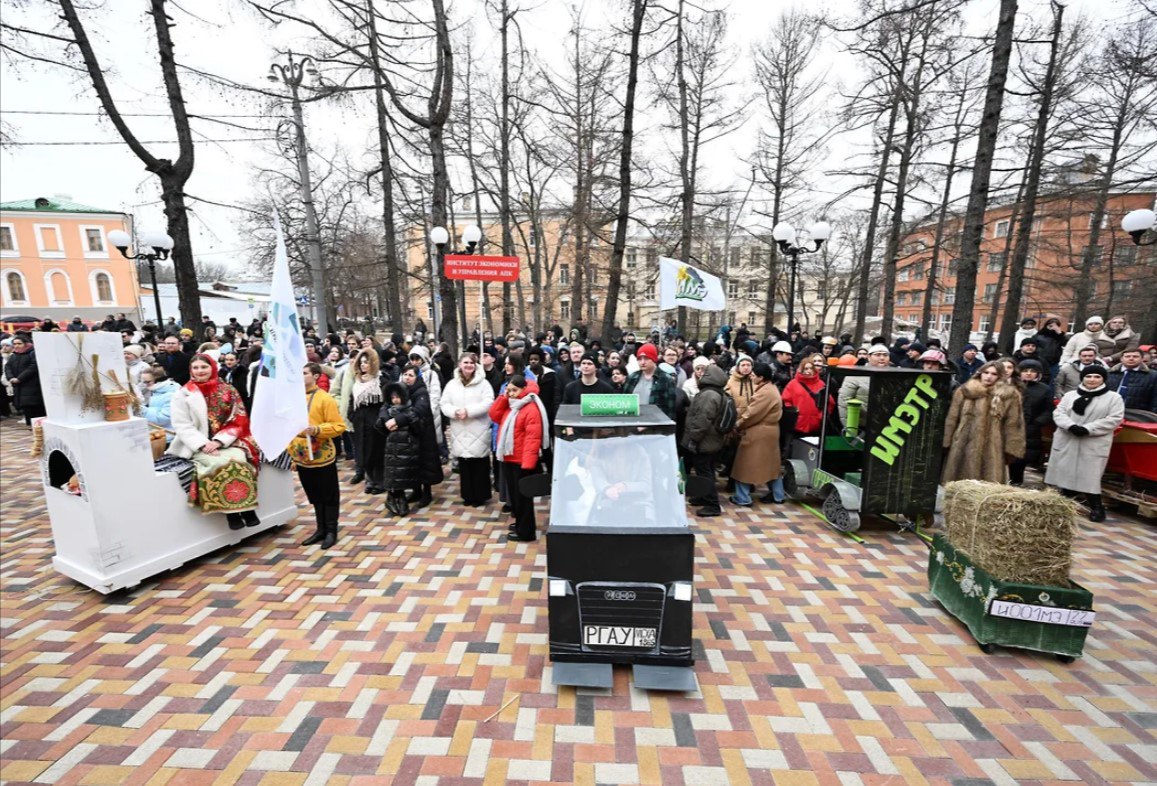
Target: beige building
point(543, 296)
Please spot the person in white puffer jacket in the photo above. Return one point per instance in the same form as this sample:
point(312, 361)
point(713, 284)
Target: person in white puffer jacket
point(466, 402)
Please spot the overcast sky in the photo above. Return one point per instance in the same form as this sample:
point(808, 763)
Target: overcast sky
point(42, 104)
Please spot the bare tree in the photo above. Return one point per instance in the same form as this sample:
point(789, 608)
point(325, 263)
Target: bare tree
point(791, 92)
point(989, 131)
point(172, 175)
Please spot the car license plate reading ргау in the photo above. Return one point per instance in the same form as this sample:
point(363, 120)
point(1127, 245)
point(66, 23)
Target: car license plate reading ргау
point(616, 636)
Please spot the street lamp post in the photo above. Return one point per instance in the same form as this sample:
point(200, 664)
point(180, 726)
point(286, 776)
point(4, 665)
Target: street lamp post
point(471, 236)
point(788, 241)
point(292, 74)
point(159, 242)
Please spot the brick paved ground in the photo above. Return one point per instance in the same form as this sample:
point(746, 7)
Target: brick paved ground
point(389, 660)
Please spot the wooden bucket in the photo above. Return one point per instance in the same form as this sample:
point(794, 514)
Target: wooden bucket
point(116, 406)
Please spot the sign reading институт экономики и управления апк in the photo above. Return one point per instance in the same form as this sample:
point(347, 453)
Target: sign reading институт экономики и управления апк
point(608, 404)
point(471, 267)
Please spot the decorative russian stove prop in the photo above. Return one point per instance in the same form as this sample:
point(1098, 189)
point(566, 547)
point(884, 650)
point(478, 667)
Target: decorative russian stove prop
point(122, 521)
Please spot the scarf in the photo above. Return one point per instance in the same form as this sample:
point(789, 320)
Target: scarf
point(1084, 396)
point(506, 433)
point(208, 387)
point(367, 391)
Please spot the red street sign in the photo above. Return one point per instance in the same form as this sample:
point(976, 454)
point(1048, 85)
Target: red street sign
point(469, 267)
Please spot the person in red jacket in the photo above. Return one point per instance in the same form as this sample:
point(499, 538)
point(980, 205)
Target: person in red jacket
point(805, 392)
point(522, 434)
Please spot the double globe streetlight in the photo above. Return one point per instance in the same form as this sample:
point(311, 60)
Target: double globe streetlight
point(160, 243)
point(440, 237)
point(789, 243)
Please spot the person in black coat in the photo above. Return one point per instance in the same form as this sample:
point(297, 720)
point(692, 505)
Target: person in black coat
point(173, 360)
point(430, 464)
point(1135, 382)
point(1038, 413)
point(234, 373)
point(402, 465)
point(24, 374)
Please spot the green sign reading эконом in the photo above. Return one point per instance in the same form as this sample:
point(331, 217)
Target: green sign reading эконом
point(607, 404)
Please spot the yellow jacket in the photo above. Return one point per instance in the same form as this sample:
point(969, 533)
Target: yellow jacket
point(324, 414)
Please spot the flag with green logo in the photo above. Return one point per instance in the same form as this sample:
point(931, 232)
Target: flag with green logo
point(684, 285)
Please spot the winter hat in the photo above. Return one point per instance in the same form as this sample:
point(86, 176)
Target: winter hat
point(935, 355)
point(1091, 320)
point(420, 351)
point(750, 347)
point(1029, 363)
point(1095, 368)
point(878, 349)
point(135, 349)
point(973, 347)
point(700, 362)
point(916, 346)
point(1030, 340)
point(742, 357)
point(648, 351)
point(1027, 321)
point(186, 332)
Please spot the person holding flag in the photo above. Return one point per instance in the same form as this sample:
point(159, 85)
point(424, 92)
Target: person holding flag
point(315, 455)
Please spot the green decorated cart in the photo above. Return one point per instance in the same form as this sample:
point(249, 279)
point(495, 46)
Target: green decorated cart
point(1000, 613)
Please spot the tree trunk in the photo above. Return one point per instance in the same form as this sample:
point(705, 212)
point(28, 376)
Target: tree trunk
point(981, 176)
point(686, 175)
point(873, 218)
point(1093, 250)
point(995, 308)
point(504, 160)
point(1020, 253)
point(942, 219)
point(390, 252)
point(623, 217)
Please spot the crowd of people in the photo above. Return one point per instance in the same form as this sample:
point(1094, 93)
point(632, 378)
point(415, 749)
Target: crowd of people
point(404, 413)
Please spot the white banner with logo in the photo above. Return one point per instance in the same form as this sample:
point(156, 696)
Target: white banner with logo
point(684, 285)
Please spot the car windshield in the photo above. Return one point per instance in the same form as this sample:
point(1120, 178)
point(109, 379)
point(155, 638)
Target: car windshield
point(617, 477)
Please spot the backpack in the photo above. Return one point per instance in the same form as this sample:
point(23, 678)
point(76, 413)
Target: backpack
point(728, 414)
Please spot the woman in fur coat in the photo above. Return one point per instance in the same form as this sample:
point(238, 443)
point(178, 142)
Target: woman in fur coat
point(985, 428)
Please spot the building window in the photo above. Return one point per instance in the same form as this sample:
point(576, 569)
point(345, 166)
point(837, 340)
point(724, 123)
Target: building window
point(652, 257)
point(945, 322)
point(564, 310)
point(564, 274)
point(753, 289)
point(632, 258)
point(917, 298)
point(59, 288)
point(996, 261)
point(989, 294)
point(1122, 289)
point(1104, 220)
point(93, 241)
point(918, 273)
point(1001, 229)
point(103, 293)
point(901, 298)
point(429, 310)
point(949, 295)
point(953, 265)
point(48, 241)
point(734, 258)
point(649, 294)
point(984, 323)
point(903, 275)
point(14, 290)
point(731, 318)
point(1097, 253)
point(732, 289)
point(751, 317)
point(936, 296)
point(468, 202)
point(8, 240)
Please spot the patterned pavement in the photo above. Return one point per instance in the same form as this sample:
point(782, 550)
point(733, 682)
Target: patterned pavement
point(414, 652)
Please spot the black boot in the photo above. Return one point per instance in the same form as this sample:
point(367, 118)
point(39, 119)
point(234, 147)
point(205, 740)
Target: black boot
point(319, 533)
point(250, 518)
point(414, 495)
point(1096, 508)
point(330, 538)
point(426, 498)
point(235, 521)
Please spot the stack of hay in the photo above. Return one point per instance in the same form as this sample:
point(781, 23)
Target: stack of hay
point(1013, 534)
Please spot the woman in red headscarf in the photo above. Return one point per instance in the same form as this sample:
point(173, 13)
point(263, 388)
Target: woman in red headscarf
point(212, 430)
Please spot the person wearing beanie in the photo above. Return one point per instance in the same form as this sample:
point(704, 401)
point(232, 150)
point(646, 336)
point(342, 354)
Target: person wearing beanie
point(1030, 350)
point(698, 368)
point(1038, 413)
point(1092, 334)
point(650, 384)
point(1086, 419)
point(420, 359)
point(757, 459)
point(969, 364)
point(914, 351)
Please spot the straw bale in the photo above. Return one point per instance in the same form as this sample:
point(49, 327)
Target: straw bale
point(1014, 534)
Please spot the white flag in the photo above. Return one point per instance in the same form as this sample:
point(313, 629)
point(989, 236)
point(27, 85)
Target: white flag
point(280, 412)
point(683, 285)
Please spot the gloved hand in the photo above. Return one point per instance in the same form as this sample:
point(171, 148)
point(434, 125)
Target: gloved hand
point(1078, 431)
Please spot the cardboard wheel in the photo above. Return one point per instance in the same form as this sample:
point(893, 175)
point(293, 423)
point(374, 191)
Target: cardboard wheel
point(837, 515)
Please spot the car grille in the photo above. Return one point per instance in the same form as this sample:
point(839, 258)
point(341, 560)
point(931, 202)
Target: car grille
point(645, 610)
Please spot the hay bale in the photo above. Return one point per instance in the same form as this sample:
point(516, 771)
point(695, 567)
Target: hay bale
point(1014, 534)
